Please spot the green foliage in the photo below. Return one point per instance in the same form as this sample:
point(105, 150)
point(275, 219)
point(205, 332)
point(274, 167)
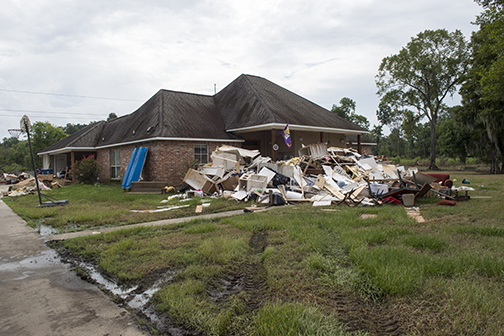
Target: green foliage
point(44, 134)
point(346, 110)
point(482, 90)
point(419, 77)
point(70, 128)
point(86, 170)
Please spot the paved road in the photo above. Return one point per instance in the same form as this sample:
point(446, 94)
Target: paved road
point(41, 296)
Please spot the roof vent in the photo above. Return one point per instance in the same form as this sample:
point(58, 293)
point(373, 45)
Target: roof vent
point(150, 129)
point(134, 132)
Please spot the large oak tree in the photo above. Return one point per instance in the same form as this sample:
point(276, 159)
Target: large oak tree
point(420, 77)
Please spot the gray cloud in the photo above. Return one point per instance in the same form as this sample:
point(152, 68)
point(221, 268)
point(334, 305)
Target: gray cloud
point(323, 50)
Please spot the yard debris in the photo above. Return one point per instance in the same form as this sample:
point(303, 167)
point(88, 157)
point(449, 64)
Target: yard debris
point(321, 175)
point(24, 183)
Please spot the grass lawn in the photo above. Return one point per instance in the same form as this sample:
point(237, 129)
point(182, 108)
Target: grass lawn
point(105, 205)
point(301, 270)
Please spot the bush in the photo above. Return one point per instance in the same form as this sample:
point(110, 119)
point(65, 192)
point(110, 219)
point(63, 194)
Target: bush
point(86, 170)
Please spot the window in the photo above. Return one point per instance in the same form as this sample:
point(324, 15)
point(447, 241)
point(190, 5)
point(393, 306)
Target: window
point(115, 164)
point(201, 153)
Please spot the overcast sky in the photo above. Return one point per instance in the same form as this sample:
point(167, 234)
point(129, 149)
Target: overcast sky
point(127, 50)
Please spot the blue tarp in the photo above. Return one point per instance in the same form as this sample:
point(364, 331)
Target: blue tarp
point(135, 167)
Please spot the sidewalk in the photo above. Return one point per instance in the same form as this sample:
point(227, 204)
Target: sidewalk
point(63, 236)
point(41, 296)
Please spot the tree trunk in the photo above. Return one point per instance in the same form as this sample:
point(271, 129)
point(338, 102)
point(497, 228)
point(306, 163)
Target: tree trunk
point(494, 166)
point(432, 160)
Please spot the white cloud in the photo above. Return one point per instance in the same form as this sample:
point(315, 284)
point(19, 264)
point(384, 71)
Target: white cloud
point(323, 50)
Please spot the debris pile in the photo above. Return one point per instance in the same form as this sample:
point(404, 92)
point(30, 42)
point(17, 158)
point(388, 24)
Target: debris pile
point(21, 184)
point(319, 174)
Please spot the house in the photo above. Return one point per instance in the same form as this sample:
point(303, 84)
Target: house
point(179, 128)
point(366, 145)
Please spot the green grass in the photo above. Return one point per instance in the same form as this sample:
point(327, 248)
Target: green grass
point(441, 277)
point(92, 206)
point(295, 319)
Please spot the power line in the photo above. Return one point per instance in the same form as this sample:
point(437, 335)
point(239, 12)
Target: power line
point(35, 111)
point(67, 95)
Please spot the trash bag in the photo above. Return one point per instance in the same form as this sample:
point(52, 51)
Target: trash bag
point(278, 199)
point(280, 179)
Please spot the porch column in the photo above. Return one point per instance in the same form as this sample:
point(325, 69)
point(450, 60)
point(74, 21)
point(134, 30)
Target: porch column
point(72, 161)
point(359, 148)
point(273, 139)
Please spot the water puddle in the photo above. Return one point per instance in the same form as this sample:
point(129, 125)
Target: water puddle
point(137, 298)
point(22, 269)
point(46, 230)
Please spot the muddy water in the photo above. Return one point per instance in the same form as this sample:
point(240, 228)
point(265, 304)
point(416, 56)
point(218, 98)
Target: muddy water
point(137, 299)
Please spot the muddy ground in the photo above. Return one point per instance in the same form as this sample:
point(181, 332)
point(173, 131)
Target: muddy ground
point(376, 318)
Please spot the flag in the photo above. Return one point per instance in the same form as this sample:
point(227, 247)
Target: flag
point(286, 136)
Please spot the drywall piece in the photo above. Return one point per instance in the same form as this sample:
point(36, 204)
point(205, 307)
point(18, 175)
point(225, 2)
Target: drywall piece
point(268, 173)
point(371, 162)
point(199, 208)
point(330, 181)
point(366, 216)
point(214, 171)
point(322, 203)
point(292, 195)
point(327, 170)
point(390, 170)
point(424, 178)
point(287, 170)
point(379, 189)
point(240, 195)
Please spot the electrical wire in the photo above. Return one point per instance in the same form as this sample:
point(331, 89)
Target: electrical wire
point(68, 95)
point(35, 111)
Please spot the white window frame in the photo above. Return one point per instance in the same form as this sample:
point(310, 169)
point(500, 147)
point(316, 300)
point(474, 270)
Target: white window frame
point(115, 164)
point(201, 157)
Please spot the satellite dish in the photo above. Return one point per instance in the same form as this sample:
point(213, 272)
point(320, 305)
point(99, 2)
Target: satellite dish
point(25, 124)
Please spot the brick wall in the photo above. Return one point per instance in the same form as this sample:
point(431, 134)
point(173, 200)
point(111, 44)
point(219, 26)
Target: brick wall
point(166, 161)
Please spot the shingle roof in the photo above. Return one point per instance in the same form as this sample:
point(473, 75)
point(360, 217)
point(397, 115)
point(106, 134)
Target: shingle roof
point(168, 114)
point(86, 137)
point(247, 101)
point(251, 100)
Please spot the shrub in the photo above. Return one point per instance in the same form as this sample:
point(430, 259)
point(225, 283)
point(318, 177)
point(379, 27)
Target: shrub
point(86, 170)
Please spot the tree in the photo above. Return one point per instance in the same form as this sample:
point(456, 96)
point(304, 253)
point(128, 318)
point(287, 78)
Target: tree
point(453, 138)
point(44, 135)
point(376, 135)
point(72, 128)
point(421, 75)
point(111, 116)
point(346, 110)
point(482, 98)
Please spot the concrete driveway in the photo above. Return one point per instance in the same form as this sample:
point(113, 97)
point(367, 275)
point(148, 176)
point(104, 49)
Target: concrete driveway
point(41, 296)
